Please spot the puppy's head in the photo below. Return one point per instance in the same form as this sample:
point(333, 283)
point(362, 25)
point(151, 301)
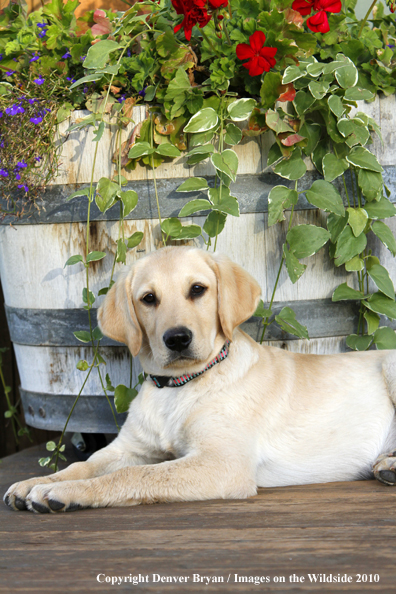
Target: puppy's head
point(175, 308)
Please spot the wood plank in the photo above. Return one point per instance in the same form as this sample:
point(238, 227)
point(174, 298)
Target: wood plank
point(335, 528)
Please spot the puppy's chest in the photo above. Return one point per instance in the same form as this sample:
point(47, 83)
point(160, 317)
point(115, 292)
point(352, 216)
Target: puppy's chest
point(169, 415)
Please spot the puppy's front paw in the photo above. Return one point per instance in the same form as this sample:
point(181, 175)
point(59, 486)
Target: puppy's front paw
point(16, 495)
point(384, 469)
point(58, 497)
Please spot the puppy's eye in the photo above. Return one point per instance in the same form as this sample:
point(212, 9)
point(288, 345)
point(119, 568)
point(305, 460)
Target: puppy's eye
point(149, 299)
point(197, 290)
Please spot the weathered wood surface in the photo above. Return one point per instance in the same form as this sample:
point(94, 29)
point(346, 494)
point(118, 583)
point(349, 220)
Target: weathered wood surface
point(336, 528)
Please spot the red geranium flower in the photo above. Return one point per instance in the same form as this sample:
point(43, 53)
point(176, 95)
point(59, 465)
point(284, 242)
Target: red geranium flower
point(318, 22)
point(304, 7)
point(328, 5)
point(260, 58)
point(218, 3)
point(195, 12)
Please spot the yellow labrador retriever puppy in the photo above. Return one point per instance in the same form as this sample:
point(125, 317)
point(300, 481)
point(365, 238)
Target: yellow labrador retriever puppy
point(219, 415)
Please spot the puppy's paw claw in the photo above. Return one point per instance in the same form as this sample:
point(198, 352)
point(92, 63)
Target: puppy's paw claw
point(55, 505)
point(40, 508)
point(75, 507)
point(20, 503)
point(385, 469)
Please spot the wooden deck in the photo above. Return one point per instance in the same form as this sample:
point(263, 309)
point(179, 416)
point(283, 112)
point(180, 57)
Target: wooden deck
point(331, 529)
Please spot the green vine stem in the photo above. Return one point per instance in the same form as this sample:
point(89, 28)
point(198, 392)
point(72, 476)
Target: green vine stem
point(267, 322)
point(366, 17)
point(155, 179)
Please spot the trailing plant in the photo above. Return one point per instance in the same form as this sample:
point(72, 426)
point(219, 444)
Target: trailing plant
point(11, 413)
point(213, 74)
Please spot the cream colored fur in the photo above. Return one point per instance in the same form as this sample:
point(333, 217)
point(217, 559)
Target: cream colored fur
point(263, 417)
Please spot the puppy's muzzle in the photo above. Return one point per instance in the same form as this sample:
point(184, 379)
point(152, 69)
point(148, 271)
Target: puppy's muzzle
point(178, 339)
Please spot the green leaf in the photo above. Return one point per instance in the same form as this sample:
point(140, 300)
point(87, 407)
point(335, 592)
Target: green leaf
point(292, 168)
point(95, 256)
point(203, 149)
point(312, 133)
point(167, 150)
point(357, 219)
point(193, 184)
point(274, 154)
point(140, 149)
point(123, 397)
point(233, 134)
point(129, 200)
point(82, 365)
point(121, 251)
point(87, 79)
point(343, 292)
point(194, 206)
point(324, 195)
point(349, 246)
point(354, 265)
point(357, 94)
point(85, 296)
point(372, 320)
point(294, 267)
point(106, 191)
point(385, 338)
point(276, 122)
point(98, 133)
point(382, 305)
point(189, 232)
point(333, 167)
point(82, 336)
point(226, 162)
point(336, 225)
point(73, 260)
point(287, 321)
point(214, 223)
point(98, 54)
point(44, 461)
point(346, 75)
point(50, 446)
point(336, 105)
point(241, 109)
point(318, 89)
point(204, 120)
point(384, 234)
point(261, 311)
point(171, 227)
point(291, 74)
point(77, 193)
point(354, 131)
point(306, 240)
point(302, 102)
point(370, 183)
point(380, 210)
point(223, 201)
point(359, 343)
point(361, 157)
point(135, 239)
point(280, 198)
point(381, 277)
point(97, 335)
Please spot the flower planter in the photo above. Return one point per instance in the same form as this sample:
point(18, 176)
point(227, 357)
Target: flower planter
point(44, 300)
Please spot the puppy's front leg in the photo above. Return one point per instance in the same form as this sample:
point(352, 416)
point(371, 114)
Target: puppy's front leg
point(194, 477)
point(109, 459)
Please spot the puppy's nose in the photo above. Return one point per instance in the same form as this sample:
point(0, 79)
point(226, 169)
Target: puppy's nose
point(177, 339)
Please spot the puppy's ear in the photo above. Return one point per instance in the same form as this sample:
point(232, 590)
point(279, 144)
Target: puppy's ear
point(238, 293)
point(116, 316)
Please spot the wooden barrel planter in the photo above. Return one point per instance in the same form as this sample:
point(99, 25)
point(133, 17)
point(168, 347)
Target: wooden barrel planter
point(43, 299)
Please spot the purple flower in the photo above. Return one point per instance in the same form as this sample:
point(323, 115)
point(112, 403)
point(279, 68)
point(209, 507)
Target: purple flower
point(35, 58)
point(38, 159)
point(72, 80)
point(21, 164)
point(66, 55)
point(129, 53)
point(14, 110)
point(24, 186)
point(43, 27)
point(39, 81)
point(17, 176)
point(1, 56)
point(390, 45)
point(121, 99)
point(32, 101)
point(10, 72)
point(82, 58)
point(37, 120)
point(4, 172)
